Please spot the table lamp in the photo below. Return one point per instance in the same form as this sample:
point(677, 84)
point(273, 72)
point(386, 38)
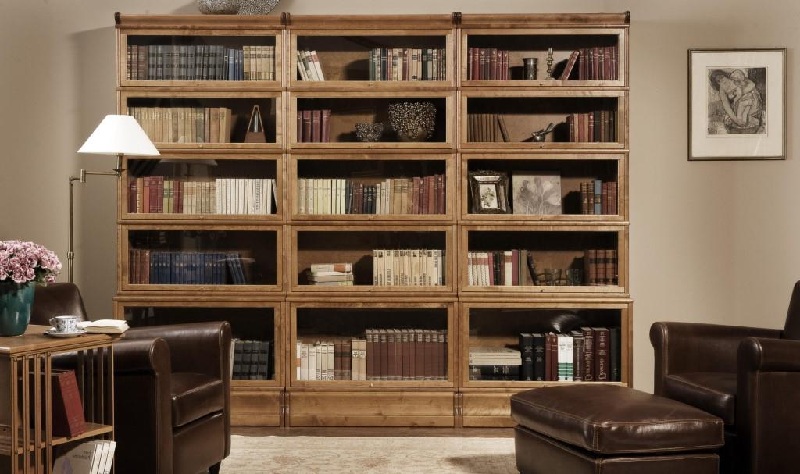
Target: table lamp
point(116, 135)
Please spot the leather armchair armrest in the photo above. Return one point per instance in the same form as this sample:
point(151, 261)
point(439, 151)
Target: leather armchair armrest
point(143, 404)
point(194, 347)
point(142, 356)
point(698, 347)
point(766, 393)
point(769, 355)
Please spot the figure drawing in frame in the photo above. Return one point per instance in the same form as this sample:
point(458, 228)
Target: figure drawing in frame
point(536, 194)
point(737, 101)
point(488, 196)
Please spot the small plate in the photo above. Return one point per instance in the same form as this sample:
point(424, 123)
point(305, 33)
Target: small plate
point(53, 333)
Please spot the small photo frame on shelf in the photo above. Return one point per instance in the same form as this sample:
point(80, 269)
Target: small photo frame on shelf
point(737, 104)
point(489, 192)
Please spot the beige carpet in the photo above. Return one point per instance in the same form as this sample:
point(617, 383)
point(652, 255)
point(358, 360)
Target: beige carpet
point(332, 455)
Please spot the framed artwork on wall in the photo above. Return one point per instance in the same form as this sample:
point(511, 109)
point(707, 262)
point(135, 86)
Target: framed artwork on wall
point(737, 104)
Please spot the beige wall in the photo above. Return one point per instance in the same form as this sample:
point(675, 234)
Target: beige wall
point(711, 242)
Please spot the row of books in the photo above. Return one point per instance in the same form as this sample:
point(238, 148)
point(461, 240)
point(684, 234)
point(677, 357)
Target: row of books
point(416, 195)
point(598, 197)
point(601, 267)
point(381, 354)
point(500, 268)
point(186, 267)
point(90, 457)
point(200, 62)
point(251, 359)
point(597, 63)
point(408, 267)
point(308, 65)
point(595, 126)
point(407, 64)
point(313, 125)
point(517, 267)
point(170, 195)
point(586, 354)
point(487, 64)
point(185, 124)
point(486, 127)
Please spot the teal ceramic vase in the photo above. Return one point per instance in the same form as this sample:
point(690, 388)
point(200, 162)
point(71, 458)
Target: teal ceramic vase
point(15, 308)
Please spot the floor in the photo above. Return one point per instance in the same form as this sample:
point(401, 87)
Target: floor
point(383, 432)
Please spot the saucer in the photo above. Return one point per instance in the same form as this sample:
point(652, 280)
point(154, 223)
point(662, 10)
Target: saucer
point(53, 333)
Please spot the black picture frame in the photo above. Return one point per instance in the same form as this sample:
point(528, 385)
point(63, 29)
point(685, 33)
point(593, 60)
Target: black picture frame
point(488, 192)
point(737, 104)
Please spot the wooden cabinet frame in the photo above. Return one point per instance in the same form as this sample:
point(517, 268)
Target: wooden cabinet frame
point(345, 43)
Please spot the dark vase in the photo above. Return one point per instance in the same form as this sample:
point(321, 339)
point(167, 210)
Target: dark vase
point(15, 307)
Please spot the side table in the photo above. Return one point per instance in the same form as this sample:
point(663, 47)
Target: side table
point(27, 447)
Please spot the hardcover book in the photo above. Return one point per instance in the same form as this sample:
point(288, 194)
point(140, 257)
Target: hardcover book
point(68, 419)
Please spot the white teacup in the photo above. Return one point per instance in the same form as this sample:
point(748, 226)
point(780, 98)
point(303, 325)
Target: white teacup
point(65, 323)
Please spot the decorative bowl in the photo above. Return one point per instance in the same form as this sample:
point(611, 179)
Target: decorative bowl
point(369, 132)
point(218, 7)
point(412, 121)
point(256, 7)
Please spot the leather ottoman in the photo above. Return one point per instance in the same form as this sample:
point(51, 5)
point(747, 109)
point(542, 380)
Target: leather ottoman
point(605, 429)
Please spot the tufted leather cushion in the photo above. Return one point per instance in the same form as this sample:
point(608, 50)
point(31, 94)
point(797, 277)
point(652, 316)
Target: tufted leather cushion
point(609, 419)
point(195, 396)
point(713, 392)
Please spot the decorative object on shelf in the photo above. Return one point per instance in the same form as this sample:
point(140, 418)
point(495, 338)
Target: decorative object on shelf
point(540, 135)
point(737, 111)
point(256, 7)
point(218, 7)
point(412, 120)
point(549, 63)
point(369, 132)
point(530, 68)
point(255, 128)
point(536, 194)
point(489, 192)
point(22, 266)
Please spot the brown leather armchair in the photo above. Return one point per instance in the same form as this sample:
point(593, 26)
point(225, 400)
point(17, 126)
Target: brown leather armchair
point(749, 377)
point(171, 390)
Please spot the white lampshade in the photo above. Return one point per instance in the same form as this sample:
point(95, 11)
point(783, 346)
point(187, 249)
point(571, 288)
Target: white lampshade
point(119, 135)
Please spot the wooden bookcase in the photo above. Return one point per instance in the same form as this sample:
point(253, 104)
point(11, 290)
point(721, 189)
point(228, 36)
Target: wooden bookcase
point(324, 196)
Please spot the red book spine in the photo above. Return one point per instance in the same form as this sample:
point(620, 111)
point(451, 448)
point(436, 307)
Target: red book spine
point(316, 126)
point(68, 419)
point(325, 133)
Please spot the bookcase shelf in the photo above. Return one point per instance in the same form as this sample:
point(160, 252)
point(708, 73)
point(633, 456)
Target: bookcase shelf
point(484, 178)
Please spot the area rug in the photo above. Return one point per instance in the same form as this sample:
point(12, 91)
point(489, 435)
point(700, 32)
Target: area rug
point(331, 455)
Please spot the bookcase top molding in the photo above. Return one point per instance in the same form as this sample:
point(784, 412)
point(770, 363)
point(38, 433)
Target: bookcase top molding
point(368, 22)
point(193, 23)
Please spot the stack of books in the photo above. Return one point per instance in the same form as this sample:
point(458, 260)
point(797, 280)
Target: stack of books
point(104, 326)
point(494, 363)
point(331, 274)
point(91, 457)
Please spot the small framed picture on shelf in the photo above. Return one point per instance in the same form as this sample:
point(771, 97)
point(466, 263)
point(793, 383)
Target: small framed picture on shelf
point(538, 194)
point(489, 192)
point(737, 104)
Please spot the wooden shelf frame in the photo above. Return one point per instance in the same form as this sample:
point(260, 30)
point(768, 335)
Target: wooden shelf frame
point(456, 401)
